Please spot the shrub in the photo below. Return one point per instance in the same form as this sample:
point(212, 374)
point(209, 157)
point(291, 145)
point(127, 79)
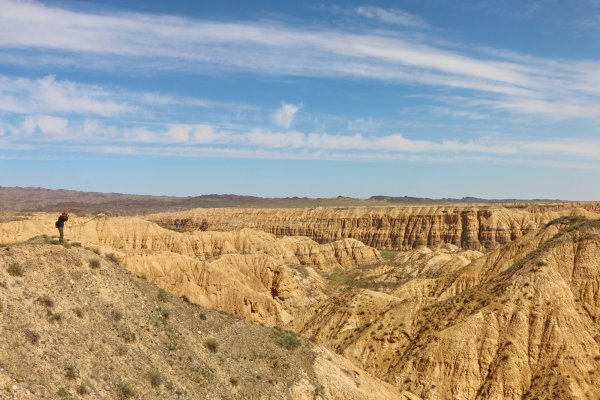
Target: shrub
point(83, 389)
point(202, 316)
point(94, 264)
point(212, 345)
point(127, 335)
point(287, 340)
point(114, 258)
point(32, 336)
point(185, 298)
point(64, 393)
point(125, 390)
point(15, 269)
point(52, 317)
point(388, 255)
point(46, 301)
point(116, 315)
point(121, 350)
point(171, 346)
point(78, 311)
point(162, 295)
point(164, 313)
point(155, 378)
point(233, 381)
point(76, 244)
point(70, 371)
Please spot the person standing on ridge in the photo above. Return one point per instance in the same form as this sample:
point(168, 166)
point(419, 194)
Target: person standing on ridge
point(60, 224)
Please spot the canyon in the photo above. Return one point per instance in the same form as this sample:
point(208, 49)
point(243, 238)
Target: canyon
point(503, 306)
point(475, 227)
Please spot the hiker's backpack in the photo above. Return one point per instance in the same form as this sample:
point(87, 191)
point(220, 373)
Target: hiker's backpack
point(56, 224)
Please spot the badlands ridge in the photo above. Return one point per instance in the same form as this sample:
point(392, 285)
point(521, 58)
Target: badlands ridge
point(470, 227)
point(483, 302)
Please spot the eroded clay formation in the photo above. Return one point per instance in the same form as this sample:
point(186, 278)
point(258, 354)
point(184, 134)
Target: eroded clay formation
point(469, 227)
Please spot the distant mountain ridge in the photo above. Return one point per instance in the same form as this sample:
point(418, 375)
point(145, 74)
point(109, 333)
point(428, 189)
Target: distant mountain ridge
point(41, 199)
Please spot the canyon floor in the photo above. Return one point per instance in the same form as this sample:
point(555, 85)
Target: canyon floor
point(416, 302)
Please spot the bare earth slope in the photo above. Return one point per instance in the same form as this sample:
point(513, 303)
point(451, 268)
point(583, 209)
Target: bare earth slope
point(469, 227)
point(71, 329)
point(520, 322)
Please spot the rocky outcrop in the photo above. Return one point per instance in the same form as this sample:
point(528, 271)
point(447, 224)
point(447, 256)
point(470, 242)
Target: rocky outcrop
point(469, 227)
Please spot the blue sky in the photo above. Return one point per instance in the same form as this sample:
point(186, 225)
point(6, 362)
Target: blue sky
point(276, 98)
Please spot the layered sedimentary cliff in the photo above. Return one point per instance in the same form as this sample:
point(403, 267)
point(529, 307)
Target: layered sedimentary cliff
point(468, 227)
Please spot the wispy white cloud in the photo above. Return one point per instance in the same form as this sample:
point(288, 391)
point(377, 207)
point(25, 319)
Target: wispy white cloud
point(47, 95)
point(194, 139)
point(145, 42)
point(284, 116)
point(392, 16)
point(49, 126)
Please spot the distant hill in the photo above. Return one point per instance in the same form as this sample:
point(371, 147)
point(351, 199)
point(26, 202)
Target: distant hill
point(41, 199)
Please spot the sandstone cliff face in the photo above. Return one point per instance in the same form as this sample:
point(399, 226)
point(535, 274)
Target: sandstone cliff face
point(468, 227)
point(520, 322)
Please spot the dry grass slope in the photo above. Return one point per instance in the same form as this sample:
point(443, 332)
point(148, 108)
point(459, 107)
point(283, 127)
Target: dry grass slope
point(74, 330)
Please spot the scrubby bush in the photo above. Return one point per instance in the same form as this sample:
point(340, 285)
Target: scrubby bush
point(125, 390)
point(155, 378)
point(212, 345)
point(165, 313)
point(162, 295)
point(70, 371)
point(15, 269)
point(127, 335)
point(83, 389)
point(46, 301)
point(116, 315)
point(53, 317)
point(287, 340)
point(64, 394)
point(94, 263)
point(32, 336)
point(114, 258)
